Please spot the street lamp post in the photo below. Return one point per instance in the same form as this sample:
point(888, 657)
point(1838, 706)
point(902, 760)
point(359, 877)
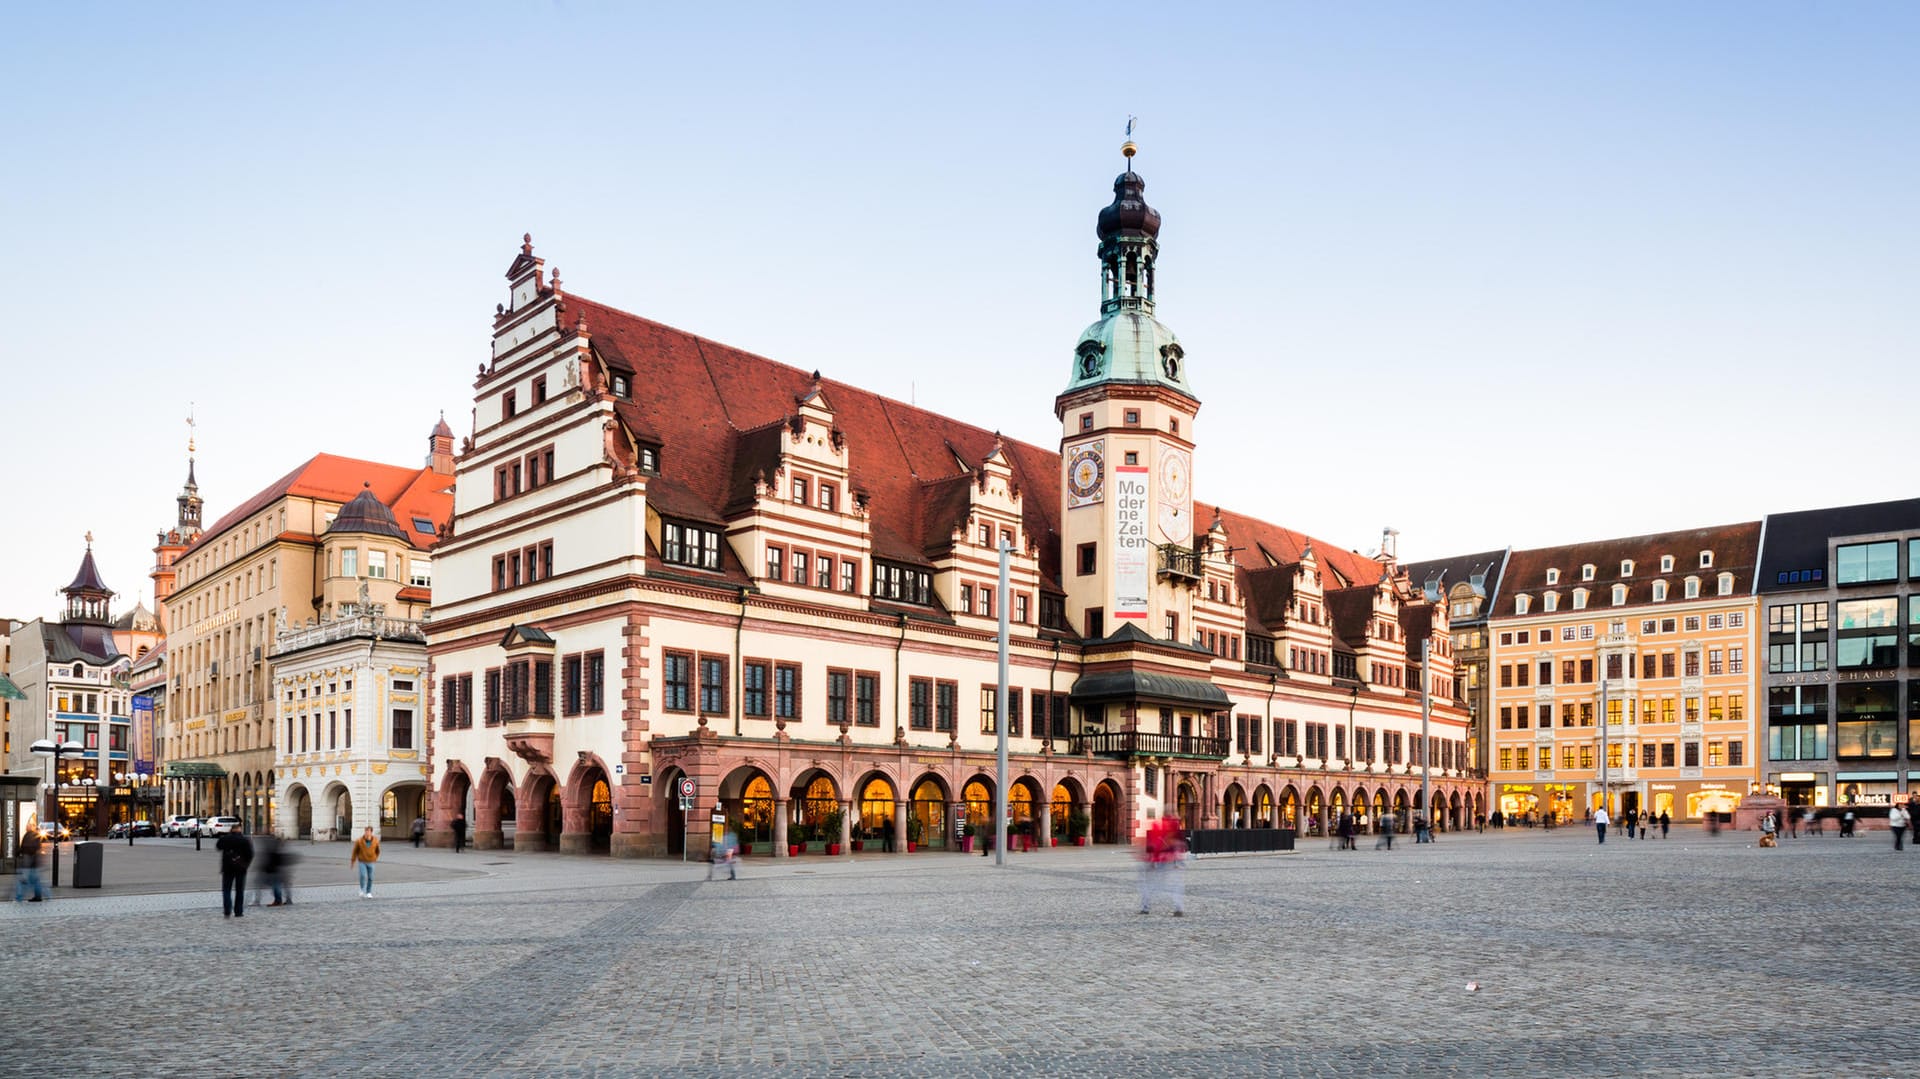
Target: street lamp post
point(55, 752)
point(1606, 787)
point(1426, 743)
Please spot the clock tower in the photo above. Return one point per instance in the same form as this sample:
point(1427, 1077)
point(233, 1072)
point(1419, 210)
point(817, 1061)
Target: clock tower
point(1126, 443)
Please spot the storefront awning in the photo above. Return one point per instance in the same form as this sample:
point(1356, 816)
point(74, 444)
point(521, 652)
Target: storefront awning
point(9, 691)
point(194, 770)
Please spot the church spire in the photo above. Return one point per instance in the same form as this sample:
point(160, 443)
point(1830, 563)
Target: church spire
point(188, 518)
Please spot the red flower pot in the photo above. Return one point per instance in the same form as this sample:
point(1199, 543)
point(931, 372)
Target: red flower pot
point(793, 850)
point(912, 846)
point(859, 845)
point(1079, 841)
point(1053, 841)
point(833, 848)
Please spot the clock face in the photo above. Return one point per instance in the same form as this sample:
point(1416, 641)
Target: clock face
point(1173, 477)
point(1084, 473)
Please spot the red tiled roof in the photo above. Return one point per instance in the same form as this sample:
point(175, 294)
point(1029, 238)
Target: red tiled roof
point(409, 492)
point(709, 406)
point(1735, 547)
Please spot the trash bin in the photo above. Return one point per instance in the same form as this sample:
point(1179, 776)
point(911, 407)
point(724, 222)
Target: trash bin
point(86, 864)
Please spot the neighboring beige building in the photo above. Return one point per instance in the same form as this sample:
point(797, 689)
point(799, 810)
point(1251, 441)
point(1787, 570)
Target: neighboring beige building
point(351, 685)
point(259, 568)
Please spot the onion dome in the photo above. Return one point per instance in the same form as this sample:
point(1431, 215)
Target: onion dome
point(1129, 215)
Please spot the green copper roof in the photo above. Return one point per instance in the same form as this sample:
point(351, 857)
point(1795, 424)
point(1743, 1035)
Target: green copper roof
point(1129, 346)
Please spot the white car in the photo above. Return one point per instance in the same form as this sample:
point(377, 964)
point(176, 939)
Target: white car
point(180, 824)
point(216, 826)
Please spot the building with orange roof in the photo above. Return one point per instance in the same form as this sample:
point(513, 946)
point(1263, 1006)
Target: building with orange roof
point(275, 563)
point(685, 580)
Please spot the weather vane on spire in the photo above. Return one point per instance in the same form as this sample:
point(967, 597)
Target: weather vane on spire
point(189, 426)
point(1128, 149)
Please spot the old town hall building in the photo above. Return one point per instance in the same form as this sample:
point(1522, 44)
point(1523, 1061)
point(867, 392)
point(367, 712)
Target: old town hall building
point(677, 567)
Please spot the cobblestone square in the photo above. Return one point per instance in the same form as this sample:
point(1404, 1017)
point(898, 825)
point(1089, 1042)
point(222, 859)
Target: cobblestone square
point(1695, 955)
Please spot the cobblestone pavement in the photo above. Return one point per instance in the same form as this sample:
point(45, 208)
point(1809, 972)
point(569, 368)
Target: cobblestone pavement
point(1695, 955)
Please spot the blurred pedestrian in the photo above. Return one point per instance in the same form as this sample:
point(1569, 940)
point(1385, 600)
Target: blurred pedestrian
point(27, 866)
point(419, 831)
point(366, 851)
point(1600, 822)
point(1897, 824)
point(1386, 832)
point(725, 853)
point(1666, 822)
point(459, 832)
point(236, 854)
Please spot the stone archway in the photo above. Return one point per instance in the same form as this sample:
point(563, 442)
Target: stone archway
point(927, 823)
point(817, 820)
point(300, 810)
point(876, 813)
point(1106, 814)
point(496, 810)
point(1317, 812)
point(1233, 807)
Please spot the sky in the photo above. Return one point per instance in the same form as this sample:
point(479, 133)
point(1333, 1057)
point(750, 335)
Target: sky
point(1488, 274)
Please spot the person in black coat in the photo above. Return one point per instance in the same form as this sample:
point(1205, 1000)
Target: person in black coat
point(236, 854)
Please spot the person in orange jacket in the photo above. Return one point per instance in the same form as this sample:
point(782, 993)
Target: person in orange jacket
point(366, 851)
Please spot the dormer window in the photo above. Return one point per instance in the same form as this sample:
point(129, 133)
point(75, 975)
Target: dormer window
point(1619, 594)
point(1520, 604)
point(1666, 563)
point(622, 388)
point(1659, 591)
point(649, 459)
point(690, 545)
point(1626, 567)
point(1550, 602)
point(1586, 572)
point(1553, 576)
point(1706, 559)
point(1580, 599)
point(1693, 588)
point(1726, 584)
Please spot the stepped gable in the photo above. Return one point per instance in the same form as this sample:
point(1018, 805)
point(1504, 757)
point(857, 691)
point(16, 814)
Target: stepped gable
point(1416, 625)
point(1735, 547)
point(943, 508)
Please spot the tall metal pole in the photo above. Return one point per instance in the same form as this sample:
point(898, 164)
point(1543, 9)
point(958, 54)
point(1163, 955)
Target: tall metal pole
point(1426, 740)
point(1001, 715)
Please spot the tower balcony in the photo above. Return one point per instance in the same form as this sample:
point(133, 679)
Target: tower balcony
point(1180, 563)
point(1125, 744)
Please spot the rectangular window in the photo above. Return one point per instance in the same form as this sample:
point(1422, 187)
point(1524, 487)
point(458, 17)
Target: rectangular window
point(849, 576)
point(839, 687)
point(1088, 560)
point(570, 670)
point(989, 709)
point(677, 668)
point(1013, 712)
point(753, 687)
point(966, 599)
point(946, 701)
point(920, 704)
point(493, 699)
point(800, 491)
point(402, 728)
point(829, 496)
point(866, 699)
point(823, 572)
point(1648, 754)
point(1691, 755)
point(1861, 563)
point(799, 567)
point(349, 562)
point(689, 545)
point(776, 564)
point(596, 677)
point(786, 691)
point(543, 687)
point(1867, 633)
point(713, 685)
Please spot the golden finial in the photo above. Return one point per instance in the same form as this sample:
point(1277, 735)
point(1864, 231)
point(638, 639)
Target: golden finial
point(89, 539)
point(189, 426)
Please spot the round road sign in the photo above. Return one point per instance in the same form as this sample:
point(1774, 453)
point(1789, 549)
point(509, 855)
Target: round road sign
point(686, 787)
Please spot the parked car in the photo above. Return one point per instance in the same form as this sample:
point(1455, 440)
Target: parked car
point(55, 832)
point(215, 826)
point(138, 828)
point(180, 824)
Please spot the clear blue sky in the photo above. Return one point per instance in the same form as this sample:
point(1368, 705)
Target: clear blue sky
point(1659, 259)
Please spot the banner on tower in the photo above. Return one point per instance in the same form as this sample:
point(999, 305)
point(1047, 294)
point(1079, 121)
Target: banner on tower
point(1132, 550)
point(142, 735)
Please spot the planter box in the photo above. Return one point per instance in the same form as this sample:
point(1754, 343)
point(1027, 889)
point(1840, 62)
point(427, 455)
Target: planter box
point(793, 850)
point(912, 846)
point(1079, 841)
point(966, 845)
point(833, 848)
point(859, 845)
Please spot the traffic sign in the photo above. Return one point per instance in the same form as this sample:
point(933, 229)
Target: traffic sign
point(687, 787)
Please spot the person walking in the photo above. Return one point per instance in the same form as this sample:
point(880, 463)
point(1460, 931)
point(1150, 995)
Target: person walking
point(419, 831)
point(1386, 832)
point(1897, 824)
point(366, 851)
point(1666, 822)
point(1600, 822)
point(459, 832)
point(27, 867)
point(273, 859)
point(236, 854)
point(725, 853)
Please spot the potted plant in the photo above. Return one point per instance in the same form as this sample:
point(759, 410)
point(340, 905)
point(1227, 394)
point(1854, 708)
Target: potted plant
point(1077, 824)
point(796, 839)
point(829, 828)
point(914, 830)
